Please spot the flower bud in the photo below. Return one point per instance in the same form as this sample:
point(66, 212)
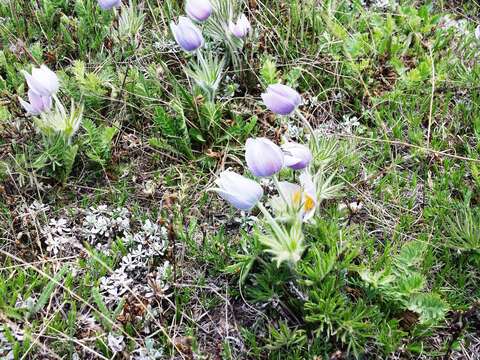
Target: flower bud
point(263, 157)
point(241, 28)
point(37, 104)
point(477, 33)
point(198, 10)
point(281, 99)
point(239, 191)
point(109, 4)
point(42, 81)
point(187, 35)
point(297, 156)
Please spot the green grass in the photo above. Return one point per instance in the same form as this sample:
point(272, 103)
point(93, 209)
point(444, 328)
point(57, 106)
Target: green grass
point(392, 260)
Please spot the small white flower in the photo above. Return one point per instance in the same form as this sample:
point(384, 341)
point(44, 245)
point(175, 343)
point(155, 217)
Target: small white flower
point(54, 243)
point(115, 342)
point(60, 226)
point(149, 227)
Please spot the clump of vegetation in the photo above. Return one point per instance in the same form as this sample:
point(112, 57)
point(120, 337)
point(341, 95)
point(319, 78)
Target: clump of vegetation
point(239, 180)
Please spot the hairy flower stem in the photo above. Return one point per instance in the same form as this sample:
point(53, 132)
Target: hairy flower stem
point(309, 127)
point(271, 221)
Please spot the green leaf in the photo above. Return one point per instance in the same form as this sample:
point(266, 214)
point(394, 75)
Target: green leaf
point(175, 130)
point(430, 307)
point(268, 72)
point(410, 256)
point(47, 292)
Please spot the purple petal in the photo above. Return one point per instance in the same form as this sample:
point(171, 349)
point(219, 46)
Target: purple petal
point(199, 10)
point(187, 35)
point(278, 104)
point(285, 91)
point(239, 191)
point(109, 4)
point(263, 157)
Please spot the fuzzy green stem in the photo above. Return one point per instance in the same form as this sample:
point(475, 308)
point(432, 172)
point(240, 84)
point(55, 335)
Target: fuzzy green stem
point(308, 126)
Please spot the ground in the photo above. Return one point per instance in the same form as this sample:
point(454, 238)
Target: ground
point(113, 246)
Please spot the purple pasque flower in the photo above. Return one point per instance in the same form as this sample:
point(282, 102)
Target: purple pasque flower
point(187, 34)
point(281, 99)
point(109, 4)
point(264, 158)
point(37, 103)
point(297, 156)
point(241, 28)
point(302, 199)
point(42, 81)
point(198, 10)
point(239, 191)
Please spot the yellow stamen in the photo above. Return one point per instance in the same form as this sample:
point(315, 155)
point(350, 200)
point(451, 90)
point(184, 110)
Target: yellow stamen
point(309, 203)
point(297, 197)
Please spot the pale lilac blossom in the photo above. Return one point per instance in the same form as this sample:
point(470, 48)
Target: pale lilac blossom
point(109, 4)
point(297, 156)
point(36, 104)
point(239, 191)
point(198, 10)
point(263, 157)
point(281, 99)
point(42, 81)
point(241, 28)
point(187, 34)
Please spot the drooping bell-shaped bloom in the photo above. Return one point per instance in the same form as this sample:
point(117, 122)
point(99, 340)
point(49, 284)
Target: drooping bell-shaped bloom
point(477, 32)
point(109, 4)
point(37, 103)
point(42, 81)
point(281, 99)
point(241, 28)
point(239, 191)
point(187, 34)
point(198, 10)
point(264, 158)
point(297, 156)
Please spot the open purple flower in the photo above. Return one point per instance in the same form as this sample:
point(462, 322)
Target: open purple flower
point(299, 198)
point(37, 103)
point(42, 81)
point(239, 191)
point(187, 35)
point(297, 156)
point(281, 99)
point(263, 157)
point(198, 10)
point(109, 4)
point(241, 28)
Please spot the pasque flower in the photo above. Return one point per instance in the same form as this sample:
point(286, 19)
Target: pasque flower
point(263, 157)
point(297, 156)
point(301, 199)
point(187, 35)
point(239, 191)
point(42, 81)
point(109, 4)
point(477, 32)
point(281, 99)
point(198, 10)
point(37, 103)
point(241, 28)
